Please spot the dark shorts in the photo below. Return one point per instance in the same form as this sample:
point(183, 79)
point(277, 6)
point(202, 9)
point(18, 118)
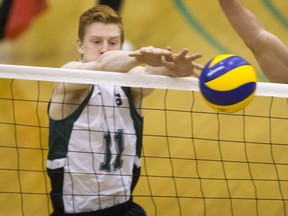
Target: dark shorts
point(126, 209)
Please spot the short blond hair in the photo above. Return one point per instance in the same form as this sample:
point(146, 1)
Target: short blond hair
point(102, 14)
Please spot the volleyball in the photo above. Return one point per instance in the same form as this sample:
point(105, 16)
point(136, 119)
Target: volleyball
point(228, 83)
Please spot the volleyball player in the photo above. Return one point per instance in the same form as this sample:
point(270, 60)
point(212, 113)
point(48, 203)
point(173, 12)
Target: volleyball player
point(95, 131)
point(114, 4)
point(270, 52)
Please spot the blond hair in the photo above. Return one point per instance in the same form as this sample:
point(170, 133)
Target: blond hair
point(100, 13)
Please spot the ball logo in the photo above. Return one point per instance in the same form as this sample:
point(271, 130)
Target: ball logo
point(210, 73)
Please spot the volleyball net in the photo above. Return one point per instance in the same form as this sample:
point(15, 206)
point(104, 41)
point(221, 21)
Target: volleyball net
point(195, 161)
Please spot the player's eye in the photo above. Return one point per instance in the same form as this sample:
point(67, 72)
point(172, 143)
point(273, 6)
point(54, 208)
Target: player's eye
point(114, 42)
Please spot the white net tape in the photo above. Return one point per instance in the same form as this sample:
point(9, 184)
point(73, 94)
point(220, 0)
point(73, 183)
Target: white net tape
point(121, 79)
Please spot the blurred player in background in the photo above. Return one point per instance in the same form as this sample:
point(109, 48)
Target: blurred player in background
point(115, 4)
point(270, 52)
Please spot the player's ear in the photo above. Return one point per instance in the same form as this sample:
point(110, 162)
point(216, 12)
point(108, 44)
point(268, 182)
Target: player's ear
point(80, 46)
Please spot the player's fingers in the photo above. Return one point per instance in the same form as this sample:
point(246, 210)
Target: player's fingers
point(134, 53)
point(169, 48)
point(183, 53)
point(153, 50)
point(194, 56)
point(198, 66)
point(197, 75)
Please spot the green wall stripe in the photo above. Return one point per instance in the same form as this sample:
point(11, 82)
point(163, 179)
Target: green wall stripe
point(275, 12)
point(180, 5)
point(196, 25)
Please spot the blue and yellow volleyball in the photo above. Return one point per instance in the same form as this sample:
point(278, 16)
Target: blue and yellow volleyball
point(228, 83)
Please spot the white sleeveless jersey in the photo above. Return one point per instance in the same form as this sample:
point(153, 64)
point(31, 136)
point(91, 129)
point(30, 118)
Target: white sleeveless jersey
point(93, 152)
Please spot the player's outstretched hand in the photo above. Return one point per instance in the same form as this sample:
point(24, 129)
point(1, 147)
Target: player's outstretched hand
point(181, 64)
point(151, 56)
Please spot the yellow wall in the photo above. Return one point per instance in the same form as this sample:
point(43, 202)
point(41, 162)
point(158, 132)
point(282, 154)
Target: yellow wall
point(51, 41)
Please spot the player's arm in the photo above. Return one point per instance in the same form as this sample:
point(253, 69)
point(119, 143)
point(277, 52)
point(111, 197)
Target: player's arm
point(66, 97)
point(118, 60)
point(270, 52)
point(177, 65)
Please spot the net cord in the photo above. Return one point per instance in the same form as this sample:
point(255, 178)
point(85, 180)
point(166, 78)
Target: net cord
point(121, 79)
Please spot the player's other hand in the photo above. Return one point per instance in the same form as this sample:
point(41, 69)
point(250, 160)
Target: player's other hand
point(183, 64)
point(151, 56)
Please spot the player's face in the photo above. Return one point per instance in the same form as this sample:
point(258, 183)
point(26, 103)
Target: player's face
point(99, 38)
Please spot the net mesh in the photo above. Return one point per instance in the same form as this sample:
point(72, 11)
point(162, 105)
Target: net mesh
point(195, 161)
